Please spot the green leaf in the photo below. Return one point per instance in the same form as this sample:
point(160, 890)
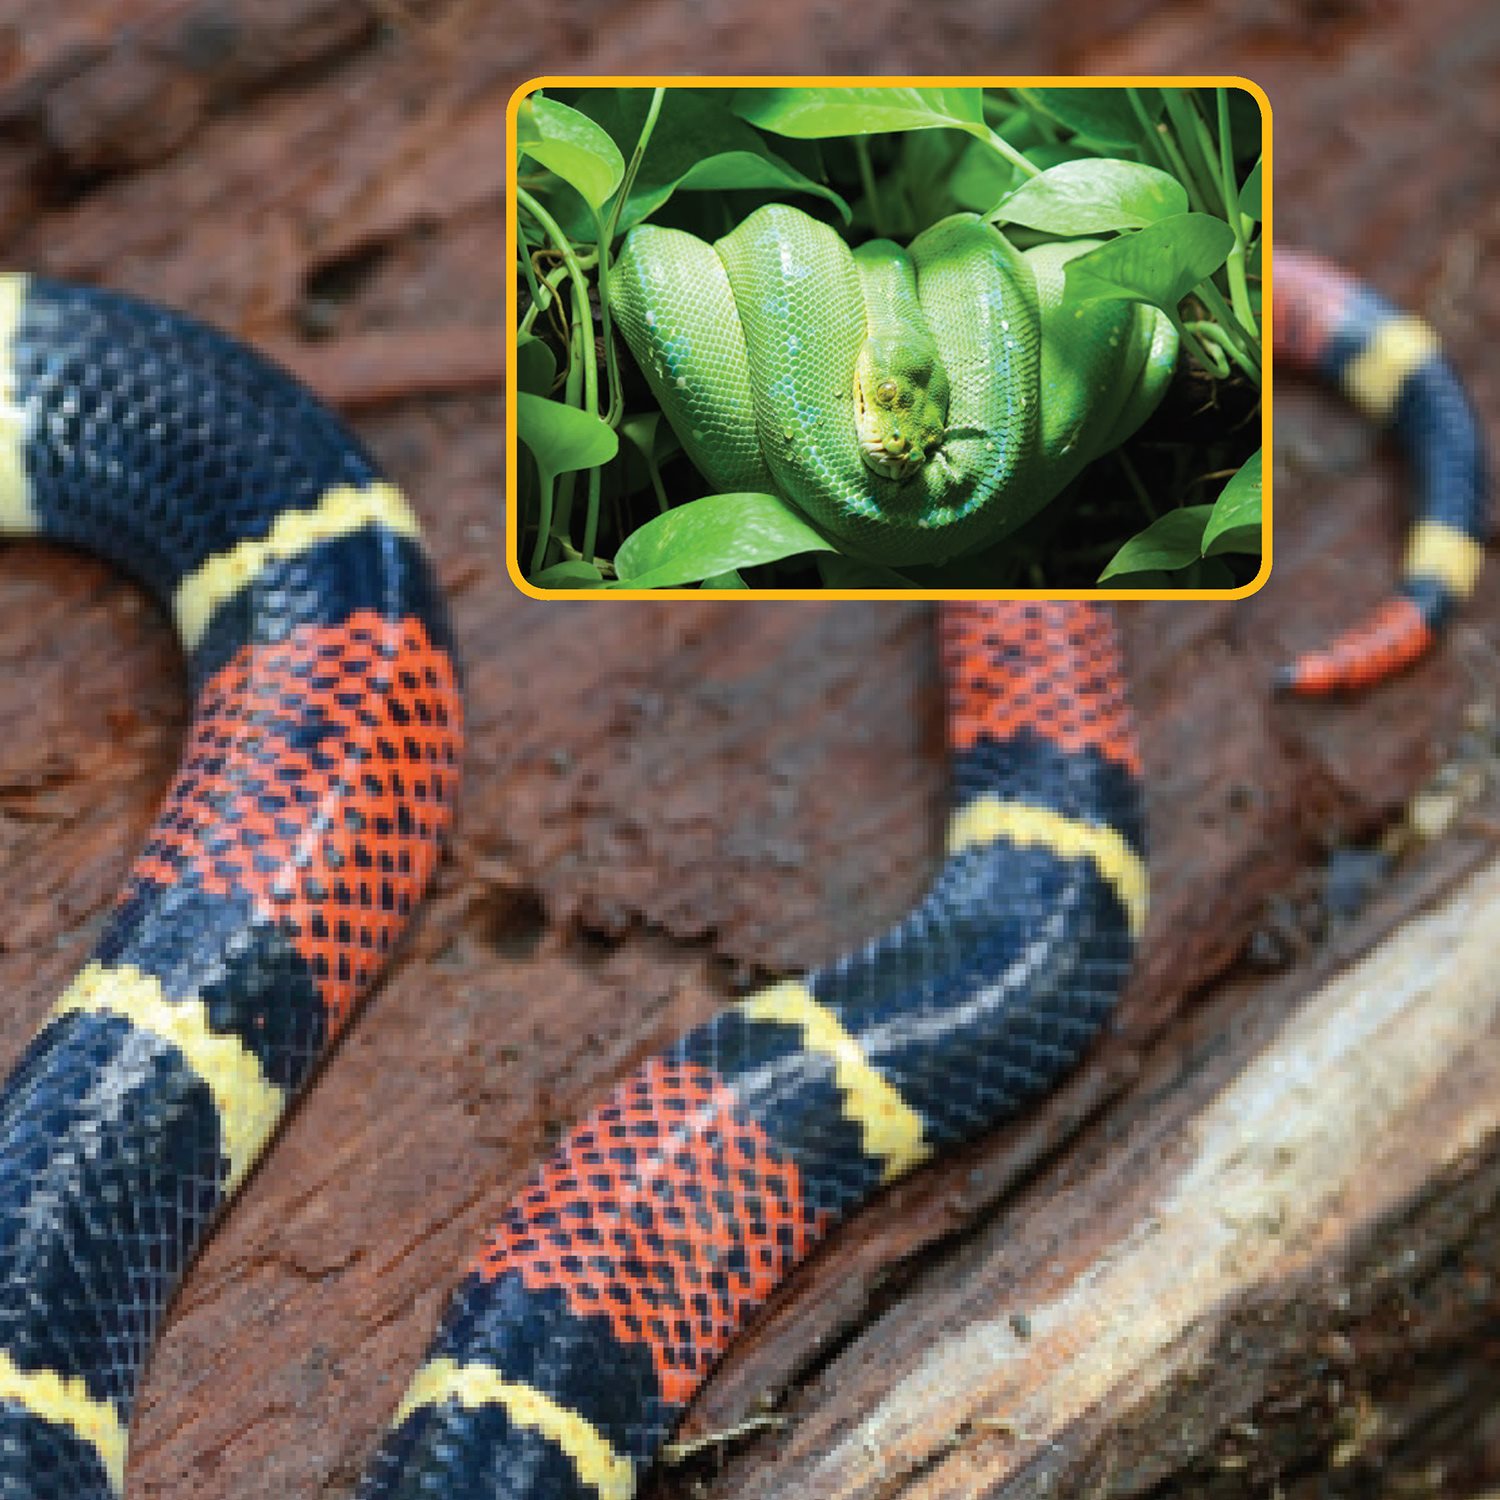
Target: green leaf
point(569, 575)
point(1092, 196)
point(1250, 193)
point(562, 437)
point(1159, 264)
point(699, 144)
point(571, 145)
point(1171, 541)
point(535, 366)
point(863, 110)
point(729, 580)
point(1235, 525)
point(756, 169)
point(711, 536)
point(1102, 114)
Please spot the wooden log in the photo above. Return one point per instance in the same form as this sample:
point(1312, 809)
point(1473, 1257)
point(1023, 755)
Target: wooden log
point(666, 802)
point(1202, 1302)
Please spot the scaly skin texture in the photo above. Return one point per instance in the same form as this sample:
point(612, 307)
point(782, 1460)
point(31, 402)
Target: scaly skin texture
point(915, 405)
point(613, 1283)
point(296, 839)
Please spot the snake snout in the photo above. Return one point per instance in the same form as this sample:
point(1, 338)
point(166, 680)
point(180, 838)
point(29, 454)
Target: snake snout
point(891, 456)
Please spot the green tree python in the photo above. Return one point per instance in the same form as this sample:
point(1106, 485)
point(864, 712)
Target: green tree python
point(915, 404)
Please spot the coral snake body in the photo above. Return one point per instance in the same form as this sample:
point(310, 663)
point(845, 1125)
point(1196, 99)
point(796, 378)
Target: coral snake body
point(317, 780)
point(299, 832)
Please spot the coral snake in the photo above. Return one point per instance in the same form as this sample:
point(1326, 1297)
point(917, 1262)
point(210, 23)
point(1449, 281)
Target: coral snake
point(315, 786)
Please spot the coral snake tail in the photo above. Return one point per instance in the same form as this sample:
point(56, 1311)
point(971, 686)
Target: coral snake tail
point(1389, 364)
point(316, 782)
point(291, 848)
point(627, 1264)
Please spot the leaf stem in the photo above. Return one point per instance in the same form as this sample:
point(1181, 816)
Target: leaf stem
point(663, 505)
point(1215, 367)
point(540, 297)
point(1216, 334)
point(997, 142)
point(606, 236)
point(1150, 137)
point(648, 128)
point(583, 314)
point(591, 516)
point(616, 407)
point(582, 361)
point(1247, 344)
point(868, 183)
point(548, 286)
point(1239, 290)
point(1186, 125)
point(545, 481)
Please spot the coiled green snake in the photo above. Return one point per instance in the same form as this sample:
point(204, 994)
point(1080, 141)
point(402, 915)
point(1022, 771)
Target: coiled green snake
point(914, 404)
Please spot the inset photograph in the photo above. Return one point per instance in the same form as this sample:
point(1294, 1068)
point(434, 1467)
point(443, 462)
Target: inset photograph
point(875, 339)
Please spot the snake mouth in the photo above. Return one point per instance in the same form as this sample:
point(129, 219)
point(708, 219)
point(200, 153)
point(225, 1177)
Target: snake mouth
point(885, 464)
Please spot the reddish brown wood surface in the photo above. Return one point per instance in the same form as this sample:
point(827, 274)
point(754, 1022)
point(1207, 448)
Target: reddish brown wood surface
point(666, 801)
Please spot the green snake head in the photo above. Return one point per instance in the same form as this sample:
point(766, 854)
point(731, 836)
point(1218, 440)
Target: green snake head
point(900, 404)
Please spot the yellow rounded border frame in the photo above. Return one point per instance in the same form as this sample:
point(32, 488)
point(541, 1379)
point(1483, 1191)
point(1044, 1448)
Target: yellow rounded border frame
point(1100, 595)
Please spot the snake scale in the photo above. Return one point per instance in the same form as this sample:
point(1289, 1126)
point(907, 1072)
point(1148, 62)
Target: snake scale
point(317, 779)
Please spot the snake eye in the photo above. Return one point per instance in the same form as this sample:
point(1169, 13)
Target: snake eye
point(885, 392)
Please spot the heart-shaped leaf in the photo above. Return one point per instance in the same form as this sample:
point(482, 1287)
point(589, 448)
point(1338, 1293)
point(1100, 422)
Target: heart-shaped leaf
point(714, 535)
point(1093, 196)
point(561, 437)
point(862, 110)
point(1235, 525)
point(1159, 264)
point(571, 145)
point(1169, 542)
